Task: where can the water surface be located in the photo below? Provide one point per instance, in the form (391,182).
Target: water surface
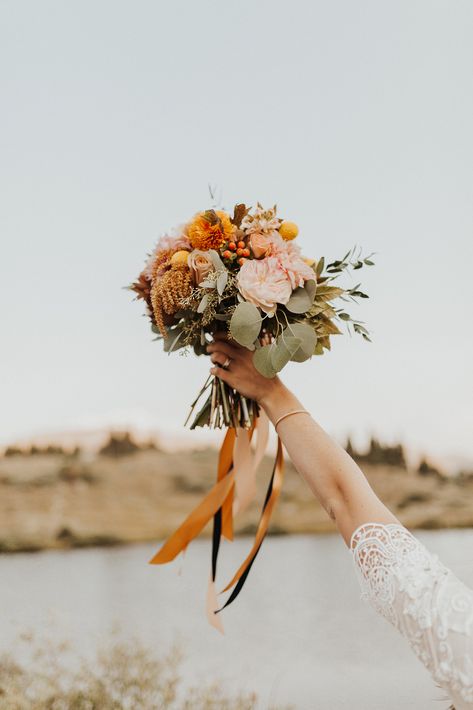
(298,633)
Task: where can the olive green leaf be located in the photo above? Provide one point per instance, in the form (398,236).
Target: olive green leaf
(311,287)
(308,337)
(283,350)
(325,326)
(328,293)
(262,360)
(245,324)
(302,298)
(171,340)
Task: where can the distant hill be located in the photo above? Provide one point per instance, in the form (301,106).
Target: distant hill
(133,492)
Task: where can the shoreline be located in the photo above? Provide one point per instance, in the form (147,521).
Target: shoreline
(55,502)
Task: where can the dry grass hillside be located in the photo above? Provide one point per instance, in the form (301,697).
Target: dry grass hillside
(50,500)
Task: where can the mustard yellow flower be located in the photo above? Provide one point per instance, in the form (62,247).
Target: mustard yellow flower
(180,257)
(288,231)
(210,230)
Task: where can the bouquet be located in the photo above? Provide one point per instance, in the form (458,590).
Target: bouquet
(242,273)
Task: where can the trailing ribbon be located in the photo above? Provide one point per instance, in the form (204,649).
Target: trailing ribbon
(234,490)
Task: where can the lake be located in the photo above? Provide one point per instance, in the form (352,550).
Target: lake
(298,633)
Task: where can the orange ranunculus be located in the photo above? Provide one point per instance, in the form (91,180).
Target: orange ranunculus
(210,230)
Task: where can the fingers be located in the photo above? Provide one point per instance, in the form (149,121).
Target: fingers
(223,347)
(225,337)
(220,359)
(221,374)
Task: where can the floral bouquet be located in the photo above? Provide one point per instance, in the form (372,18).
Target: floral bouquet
(244,274)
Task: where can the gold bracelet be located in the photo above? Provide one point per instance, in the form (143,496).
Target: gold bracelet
(289,414)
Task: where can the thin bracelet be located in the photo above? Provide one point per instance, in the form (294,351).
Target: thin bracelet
(289,414)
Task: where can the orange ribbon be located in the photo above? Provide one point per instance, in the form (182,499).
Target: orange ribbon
(232,493)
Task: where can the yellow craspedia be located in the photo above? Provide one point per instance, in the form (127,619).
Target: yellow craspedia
(288,230)
(179,257)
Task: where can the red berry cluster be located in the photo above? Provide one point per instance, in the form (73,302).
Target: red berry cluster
(236,250)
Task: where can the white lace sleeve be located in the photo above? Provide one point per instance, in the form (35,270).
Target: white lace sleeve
(423,599)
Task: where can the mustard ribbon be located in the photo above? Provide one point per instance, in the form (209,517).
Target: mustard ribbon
(232,493)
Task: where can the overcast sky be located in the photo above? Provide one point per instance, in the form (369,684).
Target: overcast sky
(356,118)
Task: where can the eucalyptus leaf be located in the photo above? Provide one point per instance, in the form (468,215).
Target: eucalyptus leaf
(311,287)
(262,360)
(300,301)
(171,341)
(308,337)
(283,350)
(320,266)
(245,324)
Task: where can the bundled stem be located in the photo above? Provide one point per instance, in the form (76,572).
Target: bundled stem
(223,406)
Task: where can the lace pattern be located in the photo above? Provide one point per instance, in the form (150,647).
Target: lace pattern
(423,599)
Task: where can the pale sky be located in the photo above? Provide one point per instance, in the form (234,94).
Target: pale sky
(355,117)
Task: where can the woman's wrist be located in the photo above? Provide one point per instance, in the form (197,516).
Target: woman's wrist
(278,399)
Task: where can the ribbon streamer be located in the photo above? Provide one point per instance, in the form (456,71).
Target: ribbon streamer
(233,492)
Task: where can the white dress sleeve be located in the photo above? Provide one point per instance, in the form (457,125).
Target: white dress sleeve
(423,599)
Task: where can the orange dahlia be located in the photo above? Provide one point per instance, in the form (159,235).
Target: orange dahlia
(210,230)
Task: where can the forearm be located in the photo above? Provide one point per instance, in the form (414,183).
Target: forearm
(330,472)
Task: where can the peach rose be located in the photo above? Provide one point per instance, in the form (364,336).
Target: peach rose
(291,261)
(173,241)
(264,283)
(260,244)
(200,265)
(298,272)
(168,242)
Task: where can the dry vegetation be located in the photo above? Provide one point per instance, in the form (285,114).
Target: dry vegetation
(128,493)
(123,676)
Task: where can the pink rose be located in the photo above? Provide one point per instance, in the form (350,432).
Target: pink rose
(264,283)
(290,260)
(260,244)
(200,265)
(298,272)
(175,241)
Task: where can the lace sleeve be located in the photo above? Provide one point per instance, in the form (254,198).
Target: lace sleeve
(423,599)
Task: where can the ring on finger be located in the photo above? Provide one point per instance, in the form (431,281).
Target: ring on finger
(226,363)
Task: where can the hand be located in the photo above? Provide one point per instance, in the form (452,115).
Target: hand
(240,373)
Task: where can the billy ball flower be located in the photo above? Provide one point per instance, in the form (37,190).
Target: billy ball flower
(180,257)
(288,231)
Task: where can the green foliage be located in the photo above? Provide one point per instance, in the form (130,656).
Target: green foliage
(307,338)
(263,361)
(302,298)
(245,324)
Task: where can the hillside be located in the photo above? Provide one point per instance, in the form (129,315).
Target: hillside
(53,500)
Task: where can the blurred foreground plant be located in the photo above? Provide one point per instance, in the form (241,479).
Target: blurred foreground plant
(124,675)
